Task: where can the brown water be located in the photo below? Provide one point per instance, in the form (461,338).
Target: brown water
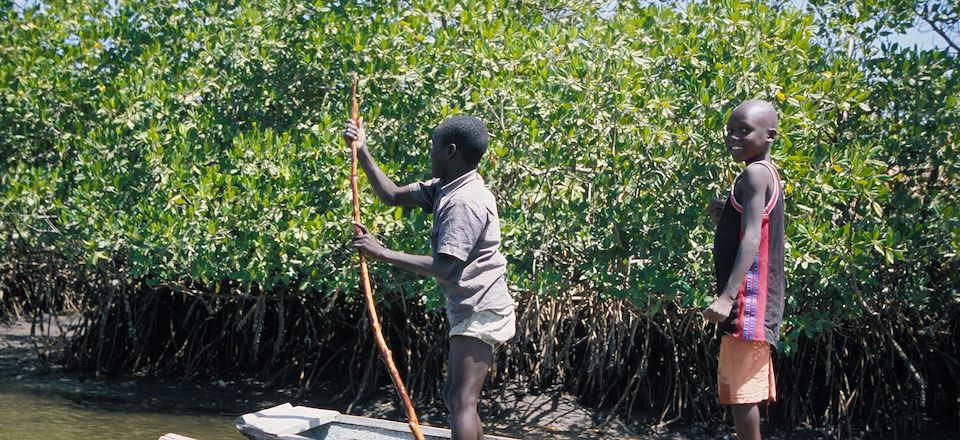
(26,414)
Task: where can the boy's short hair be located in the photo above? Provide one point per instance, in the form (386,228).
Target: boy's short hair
(467,132)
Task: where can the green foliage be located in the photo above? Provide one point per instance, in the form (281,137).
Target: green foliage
(199,144)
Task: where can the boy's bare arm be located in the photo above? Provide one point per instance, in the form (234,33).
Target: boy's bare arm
(383,186)
(439,266)
(754,185)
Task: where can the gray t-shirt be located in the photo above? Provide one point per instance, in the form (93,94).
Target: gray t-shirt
(466,226)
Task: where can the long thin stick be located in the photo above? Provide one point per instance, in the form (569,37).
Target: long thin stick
(385,352)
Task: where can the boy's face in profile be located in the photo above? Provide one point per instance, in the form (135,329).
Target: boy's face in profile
(749,132)
(438,159)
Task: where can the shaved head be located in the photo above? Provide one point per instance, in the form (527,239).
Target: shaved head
(761,112)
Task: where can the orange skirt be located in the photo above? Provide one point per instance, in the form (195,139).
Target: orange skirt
(745,372)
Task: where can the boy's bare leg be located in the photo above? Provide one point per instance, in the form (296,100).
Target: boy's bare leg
(746,417)
(470,360)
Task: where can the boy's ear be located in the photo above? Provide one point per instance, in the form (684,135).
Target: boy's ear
(451,150)
(771,134)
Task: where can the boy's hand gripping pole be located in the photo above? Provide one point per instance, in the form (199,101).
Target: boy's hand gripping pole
(365,279)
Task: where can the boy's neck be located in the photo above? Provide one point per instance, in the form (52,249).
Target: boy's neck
(456,174)
(760,157)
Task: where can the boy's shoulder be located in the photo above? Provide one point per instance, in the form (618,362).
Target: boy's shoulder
(476,198)
(475,194)
(757,175)
(759,170)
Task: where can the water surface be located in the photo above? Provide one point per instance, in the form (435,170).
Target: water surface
(28,414)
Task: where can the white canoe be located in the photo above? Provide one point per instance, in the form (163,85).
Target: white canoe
(288,422)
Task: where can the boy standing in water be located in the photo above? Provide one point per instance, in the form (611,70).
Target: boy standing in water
(464,257)
(748,261)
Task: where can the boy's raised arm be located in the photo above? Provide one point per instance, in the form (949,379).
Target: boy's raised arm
(754,188)
(383,186)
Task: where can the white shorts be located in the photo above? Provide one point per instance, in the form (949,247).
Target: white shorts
(487,326)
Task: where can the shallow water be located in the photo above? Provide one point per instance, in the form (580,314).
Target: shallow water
(25,414)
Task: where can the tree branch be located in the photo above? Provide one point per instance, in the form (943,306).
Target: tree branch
(933,25)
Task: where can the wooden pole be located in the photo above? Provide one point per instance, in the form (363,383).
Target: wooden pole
(385,352)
